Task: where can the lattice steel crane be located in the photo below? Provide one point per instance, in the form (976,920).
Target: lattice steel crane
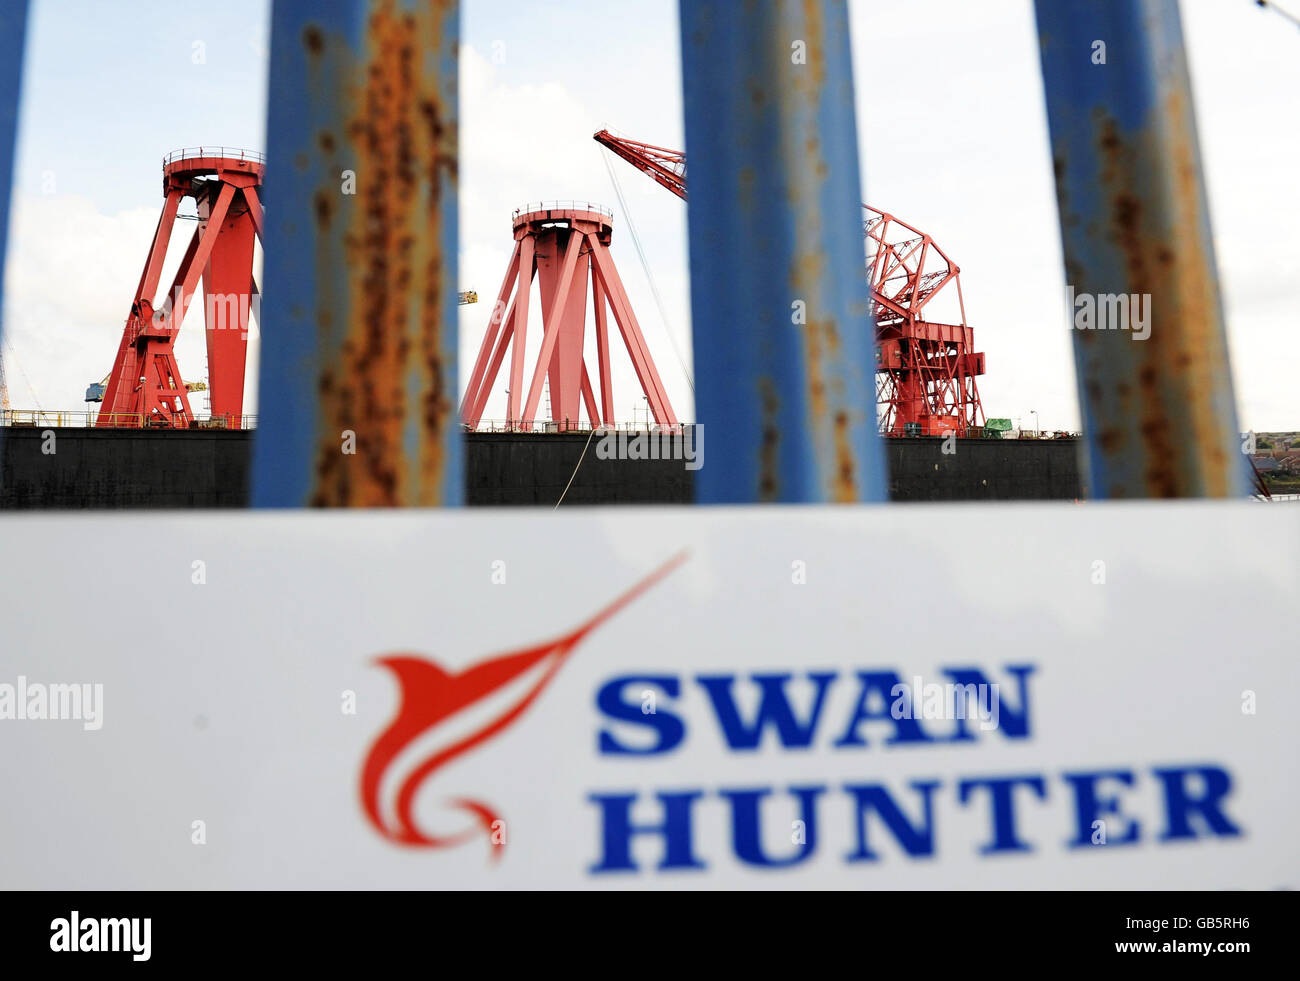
(925,370)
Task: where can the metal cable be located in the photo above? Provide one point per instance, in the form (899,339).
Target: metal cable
(654,290)
(575,469)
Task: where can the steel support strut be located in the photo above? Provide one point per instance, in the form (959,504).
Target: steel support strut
(358,376)
(1157,399)
(783,335)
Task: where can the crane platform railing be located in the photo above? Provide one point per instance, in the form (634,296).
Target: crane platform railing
(562,206)
(230,152)
(583,426)
(89,419)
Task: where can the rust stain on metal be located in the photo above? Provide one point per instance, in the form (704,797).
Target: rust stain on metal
(815,371)
(827,420)
(313,40)
(845,487)
(815,28)
(1203,358)
(768,484)
(323,204)
(397,133)
(1171,409)
(747,190)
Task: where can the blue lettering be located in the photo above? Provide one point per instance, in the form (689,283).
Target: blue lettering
(670,729)
(907,730)
(916,839)
(1088,807)
(1012,723)
(618,829)
(1004,812)
(746,836)
(1179,803)
(773,707)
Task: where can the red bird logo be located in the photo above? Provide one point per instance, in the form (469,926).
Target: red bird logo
(472,706)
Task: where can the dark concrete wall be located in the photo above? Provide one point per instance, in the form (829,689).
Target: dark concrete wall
(124,468)
(983,470)
(102,468)
(505,468)
(510,469)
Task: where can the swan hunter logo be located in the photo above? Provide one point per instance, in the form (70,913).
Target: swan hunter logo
(442,716)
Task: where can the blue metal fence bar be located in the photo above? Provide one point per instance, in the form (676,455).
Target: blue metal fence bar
(784,346)
(13,33)
(358,371)
(1155,385)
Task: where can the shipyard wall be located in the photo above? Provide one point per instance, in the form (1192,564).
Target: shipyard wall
(123,468)
(104,468)
(984,469)
(511,469)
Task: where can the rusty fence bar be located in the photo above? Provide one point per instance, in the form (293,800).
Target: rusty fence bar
(1150,347)
(358,372)
(13,32)
(782,330)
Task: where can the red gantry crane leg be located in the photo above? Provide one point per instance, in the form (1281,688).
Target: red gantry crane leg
(925,370)
(145,387)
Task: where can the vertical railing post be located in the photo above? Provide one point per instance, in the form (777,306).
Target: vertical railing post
(359,327)
(13,33)
(784,343)
(1150,348)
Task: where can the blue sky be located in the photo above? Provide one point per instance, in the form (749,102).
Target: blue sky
(959,152)
(108,88)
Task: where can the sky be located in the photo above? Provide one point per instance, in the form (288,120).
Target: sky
(952,138)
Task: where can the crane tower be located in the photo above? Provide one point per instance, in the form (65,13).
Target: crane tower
(144,386)
(563,244)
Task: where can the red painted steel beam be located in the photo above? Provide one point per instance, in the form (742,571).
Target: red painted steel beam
(228,290)
(589,398)
(552,326)
(632,337)
(598,304)
(494,327)
(564,368)
(527,265)
(480,401)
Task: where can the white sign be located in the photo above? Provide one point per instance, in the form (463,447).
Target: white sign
(1065,697)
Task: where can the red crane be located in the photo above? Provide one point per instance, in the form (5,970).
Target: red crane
(925,369)
(144,387)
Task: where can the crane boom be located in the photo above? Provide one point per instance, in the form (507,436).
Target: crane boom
(668,167)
